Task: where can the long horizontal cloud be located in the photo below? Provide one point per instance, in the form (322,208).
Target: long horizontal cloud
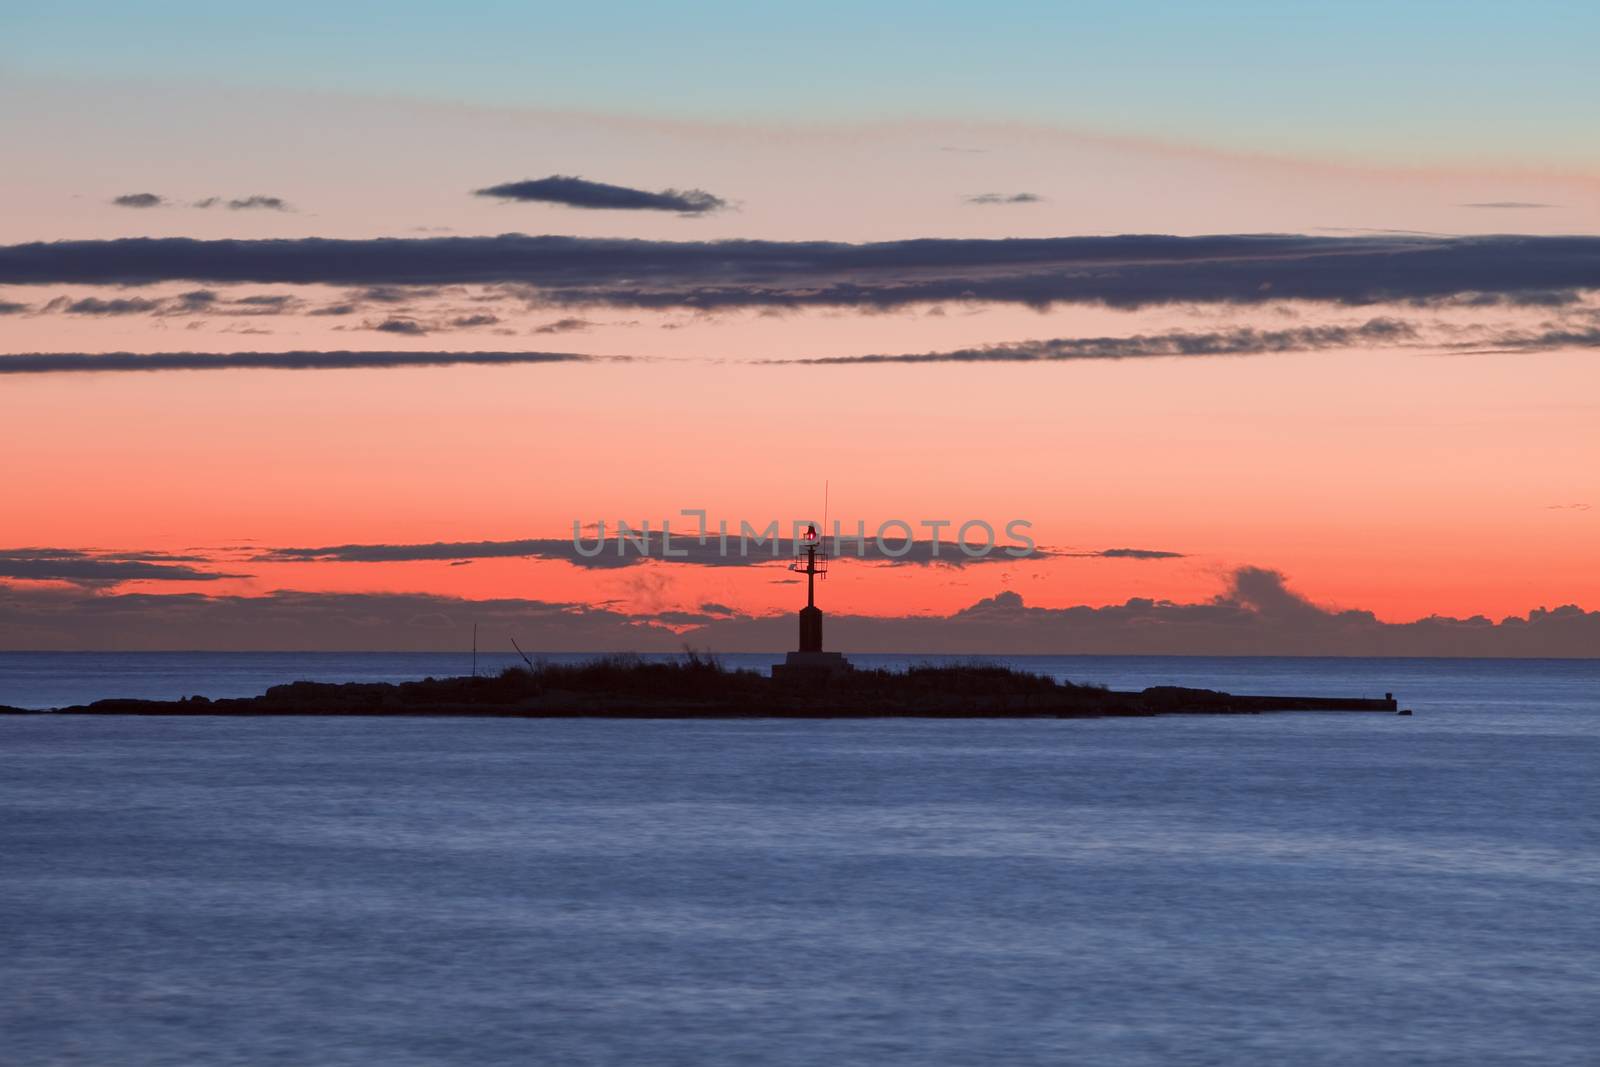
(93,305)
(596,554)
(1373,333)
(1534,340)
(1004,198)
(45,618)
(576,192)
(66,362)
(1241,341)
(1256,614)
(205,302)
(1129,553)
(611,553)
(1126,272)
(242,203)
(101,568)
(250,203)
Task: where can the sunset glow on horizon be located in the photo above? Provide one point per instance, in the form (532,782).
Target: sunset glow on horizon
(1362,365)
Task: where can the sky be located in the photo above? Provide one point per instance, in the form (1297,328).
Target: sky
(1276,324)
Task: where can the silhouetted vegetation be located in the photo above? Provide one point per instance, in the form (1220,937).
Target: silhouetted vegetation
(699,685)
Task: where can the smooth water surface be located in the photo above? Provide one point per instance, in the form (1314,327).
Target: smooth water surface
(1279,889)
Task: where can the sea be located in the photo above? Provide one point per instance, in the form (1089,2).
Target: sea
(1292,889)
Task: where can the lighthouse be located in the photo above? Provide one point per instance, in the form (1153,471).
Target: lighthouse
(809,661)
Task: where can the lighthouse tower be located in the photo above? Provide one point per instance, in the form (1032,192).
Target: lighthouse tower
(809,662)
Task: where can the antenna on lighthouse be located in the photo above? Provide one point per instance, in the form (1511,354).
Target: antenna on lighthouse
(824,508)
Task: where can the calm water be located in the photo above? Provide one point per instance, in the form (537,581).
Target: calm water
(1294,889)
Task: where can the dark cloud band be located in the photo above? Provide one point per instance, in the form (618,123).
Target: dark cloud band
(1242,341)
(1125,272)
(609,553)
(1257,614)
(101,568)
(60,362)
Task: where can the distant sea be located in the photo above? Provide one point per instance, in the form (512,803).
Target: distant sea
(1308,889)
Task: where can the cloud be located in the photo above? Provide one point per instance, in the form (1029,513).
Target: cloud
(1542,340)
(100,568)
(1255,614)
(682,618)
(407,327)
(138,200)
(243,203)
(467,322)
(1123,272)
(614,553)
(1135,553)
(576,192)
(63,618)
(391,294)
(9,308)
(193,302)
(1509,205)
(93,305)
(198,299)
(247,203)
(1240,341)
(1530,298)
(65,362)
(258,203)
(1004,198)
(565,326)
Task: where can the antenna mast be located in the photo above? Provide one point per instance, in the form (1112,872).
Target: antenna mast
(824,509)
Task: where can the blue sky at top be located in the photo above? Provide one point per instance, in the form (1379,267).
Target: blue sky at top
(1510,83)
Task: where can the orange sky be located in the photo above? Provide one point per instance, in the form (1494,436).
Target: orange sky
(1406,484)
(1394,479)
